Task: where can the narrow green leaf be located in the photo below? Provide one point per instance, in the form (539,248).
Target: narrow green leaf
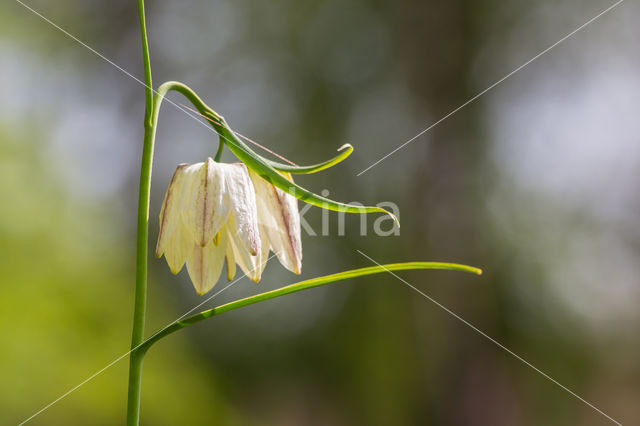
(345,149)
(304,285)
(268,173)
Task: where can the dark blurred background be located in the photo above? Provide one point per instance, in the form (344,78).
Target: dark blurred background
(536,182)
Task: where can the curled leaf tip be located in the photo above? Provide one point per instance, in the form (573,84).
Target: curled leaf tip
(393,216)
(395,219)
(345,151)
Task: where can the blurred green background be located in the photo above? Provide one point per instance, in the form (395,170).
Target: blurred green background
(536,182)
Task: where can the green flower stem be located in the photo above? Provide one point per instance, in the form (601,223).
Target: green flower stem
(268,173)
(220,149)
(303,285)
(137,355)
(254,161)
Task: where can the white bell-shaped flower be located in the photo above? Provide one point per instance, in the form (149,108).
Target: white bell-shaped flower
(209,214)
(214,212)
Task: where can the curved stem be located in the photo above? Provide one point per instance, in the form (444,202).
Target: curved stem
(303,285)
(255,161)
(268,173)
(220,149)
(137,355)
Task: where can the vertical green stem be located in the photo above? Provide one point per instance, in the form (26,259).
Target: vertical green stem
(137,355)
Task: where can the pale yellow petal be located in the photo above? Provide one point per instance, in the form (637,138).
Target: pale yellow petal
(290,239)
(250,265)
(212,206)
(278,213)
(242,200)
(194,178)
(170,220)
(204,265)
(264,247)
(179,248)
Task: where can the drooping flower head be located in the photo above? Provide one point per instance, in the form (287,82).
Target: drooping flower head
(215,212)
(238,212)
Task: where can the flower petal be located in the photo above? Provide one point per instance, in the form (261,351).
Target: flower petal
(264,247)
(278,213)
(168,211)
(188,197)
(206,205)
(204,264)
(250,265)
(171,228)
(178,250)
(242,200)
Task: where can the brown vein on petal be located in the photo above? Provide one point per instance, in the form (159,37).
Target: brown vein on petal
(287,224)
(204,203)
(200,253)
